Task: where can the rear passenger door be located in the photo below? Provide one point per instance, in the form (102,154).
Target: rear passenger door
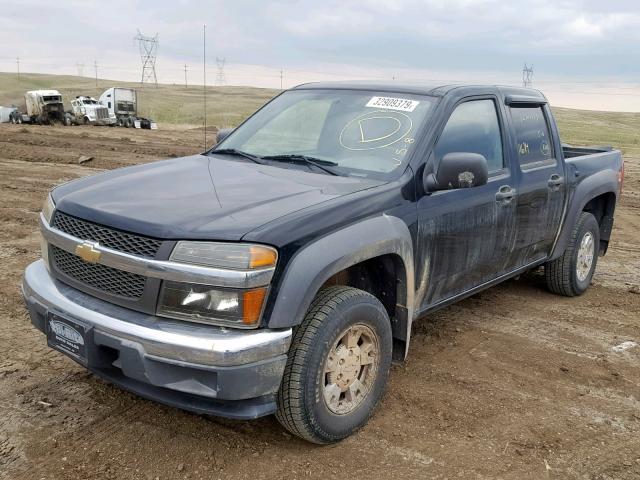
(541,188)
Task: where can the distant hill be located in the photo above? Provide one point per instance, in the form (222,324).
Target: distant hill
(228,106)
(175,104)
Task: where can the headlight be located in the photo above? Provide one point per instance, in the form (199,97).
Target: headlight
(236,256)
(212,305)
(48,208)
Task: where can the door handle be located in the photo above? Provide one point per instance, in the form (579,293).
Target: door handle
(505,194)
(555,182)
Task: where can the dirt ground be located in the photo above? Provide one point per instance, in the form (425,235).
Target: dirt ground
(511,383)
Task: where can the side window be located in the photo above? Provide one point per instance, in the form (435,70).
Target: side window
(532,134)
(109,104)
(473,127)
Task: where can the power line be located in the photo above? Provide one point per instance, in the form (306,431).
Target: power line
(148,47)
(186,85)
(527,76)
(221,79)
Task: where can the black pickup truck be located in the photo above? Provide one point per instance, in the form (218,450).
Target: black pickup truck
(280,272)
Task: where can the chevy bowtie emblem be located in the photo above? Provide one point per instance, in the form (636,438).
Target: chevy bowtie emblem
(87,251)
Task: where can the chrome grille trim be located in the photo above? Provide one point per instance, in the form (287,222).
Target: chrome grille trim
(162,269)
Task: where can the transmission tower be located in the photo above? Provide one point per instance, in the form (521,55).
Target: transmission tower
(221,79)
(527,76)
(148,50)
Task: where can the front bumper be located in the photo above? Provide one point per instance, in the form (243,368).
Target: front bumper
(196,367)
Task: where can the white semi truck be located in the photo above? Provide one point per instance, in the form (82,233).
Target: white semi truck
(123,104)
(88,111)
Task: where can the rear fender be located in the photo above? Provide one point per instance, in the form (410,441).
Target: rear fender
(604,181)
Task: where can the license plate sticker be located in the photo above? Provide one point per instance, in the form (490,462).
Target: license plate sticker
(68,337)
(390,103)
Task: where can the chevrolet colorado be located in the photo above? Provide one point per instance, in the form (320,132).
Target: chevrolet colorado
(280,271)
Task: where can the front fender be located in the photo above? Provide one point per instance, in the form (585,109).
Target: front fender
(314,264)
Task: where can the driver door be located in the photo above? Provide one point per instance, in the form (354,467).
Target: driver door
(466,235)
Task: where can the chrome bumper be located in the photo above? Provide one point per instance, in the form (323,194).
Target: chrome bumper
(152,355)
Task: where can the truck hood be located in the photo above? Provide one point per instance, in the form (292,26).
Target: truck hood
(199,197)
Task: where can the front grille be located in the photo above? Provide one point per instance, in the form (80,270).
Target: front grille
(101,277)
(107,237)
(102,113)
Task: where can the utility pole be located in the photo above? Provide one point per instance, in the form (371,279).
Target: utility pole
(80,69)
(18,63)
(281,73)
(95,67)
(186,85)
(527,76)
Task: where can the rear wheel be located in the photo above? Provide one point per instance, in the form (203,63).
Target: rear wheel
(571,274)
(337,367)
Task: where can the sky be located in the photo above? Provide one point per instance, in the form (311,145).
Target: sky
(585,53)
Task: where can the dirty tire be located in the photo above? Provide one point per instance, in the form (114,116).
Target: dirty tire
(562,275)
(302,408)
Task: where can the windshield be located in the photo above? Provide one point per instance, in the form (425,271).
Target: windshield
(52,98)
(363,133)
(89,102)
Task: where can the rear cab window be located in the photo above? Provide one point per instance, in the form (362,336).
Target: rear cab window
(533,137)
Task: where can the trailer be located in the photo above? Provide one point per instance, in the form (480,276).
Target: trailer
(6,114)
(123,104)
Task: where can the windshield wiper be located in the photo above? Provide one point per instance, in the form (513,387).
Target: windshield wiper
(239,153)
(323,165)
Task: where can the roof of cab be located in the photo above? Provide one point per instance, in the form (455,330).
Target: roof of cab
(420,88)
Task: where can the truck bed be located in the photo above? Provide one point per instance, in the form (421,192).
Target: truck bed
(571,151)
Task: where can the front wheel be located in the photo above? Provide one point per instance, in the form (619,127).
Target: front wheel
(571,274)
(337,367)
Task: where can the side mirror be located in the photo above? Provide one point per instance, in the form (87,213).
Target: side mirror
(222,134)
(458,170)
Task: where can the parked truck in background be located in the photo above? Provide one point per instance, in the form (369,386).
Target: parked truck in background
(123,104)
(88,111)
(281,271)
(44,107)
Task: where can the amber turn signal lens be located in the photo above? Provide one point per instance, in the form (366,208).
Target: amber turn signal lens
(262,257)
(252,301)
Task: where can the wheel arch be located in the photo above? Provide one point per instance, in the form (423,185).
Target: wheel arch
(596,191)
(375,255)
